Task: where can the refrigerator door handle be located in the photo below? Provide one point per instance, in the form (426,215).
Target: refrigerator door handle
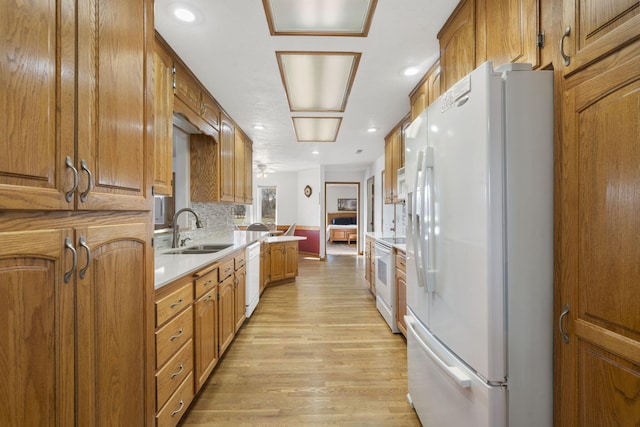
(453,372)
(429,209)
(416,224)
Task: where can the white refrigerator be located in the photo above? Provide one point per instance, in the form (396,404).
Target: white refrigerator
(479,170)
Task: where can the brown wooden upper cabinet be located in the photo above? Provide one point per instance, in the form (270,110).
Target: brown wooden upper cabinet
(193,101)
(508,30)
(53,159)
(162,121)
(227,161)
(393,160)
(427,91)
(458,44)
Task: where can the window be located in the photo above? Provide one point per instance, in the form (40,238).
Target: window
(266,205)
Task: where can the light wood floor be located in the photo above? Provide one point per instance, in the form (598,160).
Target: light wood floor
(315,353)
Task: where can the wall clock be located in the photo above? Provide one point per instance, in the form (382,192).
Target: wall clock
(307,191)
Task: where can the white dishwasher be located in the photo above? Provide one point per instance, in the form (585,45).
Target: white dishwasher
(253,278)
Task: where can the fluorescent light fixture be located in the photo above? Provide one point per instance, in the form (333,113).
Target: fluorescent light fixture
(319,17)
(410,71)
(318,81)
(316,129)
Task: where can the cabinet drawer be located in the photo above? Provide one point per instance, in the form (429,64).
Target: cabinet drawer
(173,303)
(226,269)
(177,404)
(173,335)
(239,260)
(206,282)
(173,373)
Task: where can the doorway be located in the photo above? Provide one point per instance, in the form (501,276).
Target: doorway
(342,211)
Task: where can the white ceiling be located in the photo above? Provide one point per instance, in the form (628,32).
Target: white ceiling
(232,53)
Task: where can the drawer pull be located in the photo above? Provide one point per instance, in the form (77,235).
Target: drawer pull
(175,337)
(179,409)
(177,303)
(207,283)
(178,372)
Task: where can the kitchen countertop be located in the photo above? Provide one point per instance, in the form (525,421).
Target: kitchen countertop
(169,267)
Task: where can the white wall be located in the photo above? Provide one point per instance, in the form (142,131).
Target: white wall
(309,207)
(340,191)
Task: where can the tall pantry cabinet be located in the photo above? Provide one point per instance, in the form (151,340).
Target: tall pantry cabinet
(76,264)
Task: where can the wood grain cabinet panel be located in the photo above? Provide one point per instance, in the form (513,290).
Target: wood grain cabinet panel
(509,29)
(401,291)
(458,44)
(226,313)
(206,336)
(598,364)
(393,160)
(227,162)
(37,314)
(37,100)
(239,168)
(114,138)
(240,282)
(598,28)
(177,405)
(203,155)
(162,121)
(174,372)
(113,299)
(248,171)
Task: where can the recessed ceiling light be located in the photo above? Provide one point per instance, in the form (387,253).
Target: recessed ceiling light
(258,126)
(315,152)
(372,130)
(410,71)
(184,14)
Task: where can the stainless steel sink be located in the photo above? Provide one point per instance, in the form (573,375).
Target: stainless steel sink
(200,249)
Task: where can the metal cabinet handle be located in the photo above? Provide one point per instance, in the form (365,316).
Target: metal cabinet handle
(207,299)
(178,335)
(84,167)
(83,243)
(178,372)
(179,409)
(565,57)
(69,194)
(565,311)
(69,245)
(207,283)
(177,303)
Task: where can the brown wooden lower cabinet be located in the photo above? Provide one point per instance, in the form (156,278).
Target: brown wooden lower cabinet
(401,290)
(370,261)
(77,313)
(197,317)
(283,262)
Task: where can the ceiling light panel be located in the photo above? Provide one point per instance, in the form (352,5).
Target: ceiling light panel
(319,17)
(318,81)
(316,129)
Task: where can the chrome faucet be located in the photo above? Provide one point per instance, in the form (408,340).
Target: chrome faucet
(176,234)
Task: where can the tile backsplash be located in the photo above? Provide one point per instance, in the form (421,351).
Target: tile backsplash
(217,219)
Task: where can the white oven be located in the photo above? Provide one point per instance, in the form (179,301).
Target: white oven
(386,283)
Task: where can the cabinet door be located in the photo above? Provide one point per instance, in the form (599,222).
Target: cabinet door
(37,314)
(265,265)
(115,325)
(240,297)
(248,171)
(239,167)
(291,260)
(227,150)
(226,315)
(206,336)
(277,261)
(510,28)
(187,89)
(162,122)
(598,27)
(401,300)
(203,154)
(210,111)
(114,120)
(37,104)
(457,44)
(598,361)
